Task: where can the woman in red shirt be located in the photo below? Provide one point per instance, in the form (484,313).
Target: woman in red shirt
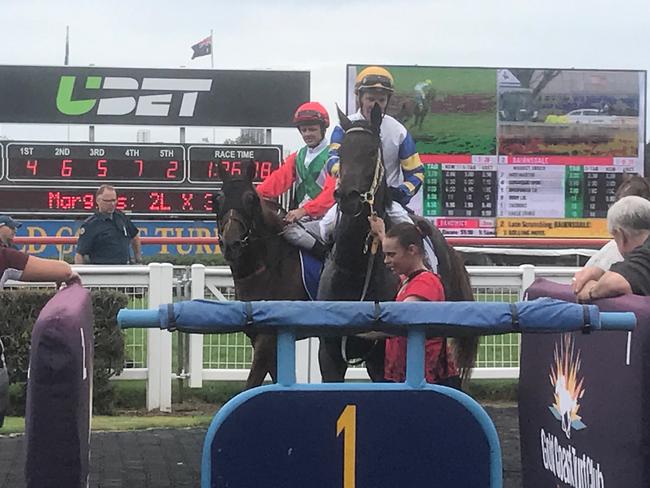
(404,254)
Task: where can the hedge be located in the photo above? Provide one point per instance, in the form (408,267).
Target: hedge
(20,311)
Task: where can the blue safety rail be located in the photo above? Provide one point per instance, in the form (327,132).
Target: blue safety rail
(283,426)
(439,318)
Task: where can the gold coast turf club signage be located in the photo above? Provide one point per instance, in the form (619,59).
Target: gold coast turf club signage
(90,95)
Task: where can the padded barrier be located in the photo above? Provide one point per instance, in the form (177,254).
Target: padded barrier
(59,392)
(598,436)
(4,387)
(317,318)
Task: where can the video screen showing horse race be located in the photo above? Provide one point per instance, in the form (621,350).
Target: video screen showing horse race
(498,144)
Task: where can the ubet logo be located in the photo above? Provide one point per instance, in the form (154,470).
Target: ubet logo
(144,105)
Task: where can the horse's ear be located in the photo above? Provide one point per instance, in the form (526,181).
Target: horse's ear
(375,117)
(249,168)
(343,119)
(222,172)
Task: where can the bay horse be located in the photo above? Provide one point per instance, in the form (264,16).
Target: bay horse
(264,265)
(353,272)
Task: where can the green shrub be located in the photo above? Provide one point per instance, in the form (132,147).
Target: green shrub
(21,309)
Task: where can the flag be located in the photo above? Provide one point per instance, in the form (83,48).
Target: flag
(202,48)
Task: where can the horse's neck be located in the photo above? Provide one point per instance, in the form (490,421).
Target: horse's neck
(351,245)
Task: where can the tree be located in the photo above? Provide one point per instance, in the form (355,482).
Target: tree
(535,79)
(244,138)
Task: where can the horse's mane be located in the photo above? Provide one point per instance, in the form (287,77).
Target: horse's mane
(457,286)
(272,215)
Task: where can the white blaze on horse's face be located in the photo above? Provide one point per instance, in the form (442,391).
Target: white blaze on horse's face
(368,100)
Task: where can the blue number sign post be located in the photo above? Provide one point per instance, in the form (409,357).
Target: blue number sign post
(360,435)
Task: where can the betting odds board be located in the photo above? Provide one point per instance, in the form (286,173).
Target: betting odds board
(512,152)
(152,180)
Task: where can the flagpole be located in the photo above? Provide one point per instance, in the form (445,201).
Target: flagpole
(214,138)
(211,50)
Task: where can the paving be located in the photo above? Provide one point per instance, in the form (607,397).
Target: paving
(171,458)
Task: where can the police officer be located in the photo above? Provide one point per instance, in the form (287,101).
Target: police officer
(8,228)
(105,237)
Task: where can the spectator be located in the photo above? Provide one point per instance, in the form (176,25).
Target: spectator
(105,237)
(628,220)
(8,228)
(600,262)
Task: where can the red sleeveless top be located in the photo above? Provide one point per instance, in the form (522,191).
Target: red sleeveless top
(438,362)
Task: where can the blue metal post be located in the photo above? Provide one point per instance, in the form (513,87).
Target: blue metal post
(286,357)
(415,356)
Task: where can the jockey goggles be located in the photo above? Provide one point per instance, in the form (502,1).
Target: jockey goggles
(376,81)
(309,116)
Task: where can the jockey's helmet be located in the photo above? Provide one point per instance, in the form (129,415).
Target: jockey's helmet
(311,113)
(374,77)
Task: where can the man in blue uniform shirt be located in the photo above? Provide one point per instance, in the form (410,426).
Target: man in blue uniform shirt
(105,237)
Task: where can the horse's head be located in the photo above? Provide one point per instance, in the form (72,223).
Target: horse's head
(361,174)
(238,210)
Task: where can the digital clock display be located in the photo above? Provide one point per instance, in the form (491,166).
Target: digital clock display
(204,161)
(81,201)
(174,180)
(100,163)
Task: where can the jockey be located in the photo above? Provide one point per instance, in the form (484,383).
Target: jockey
(306,168)
(404,170)
(421,90)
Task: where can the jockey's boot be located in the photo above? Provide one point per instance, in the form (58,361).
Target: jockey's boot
(319,251)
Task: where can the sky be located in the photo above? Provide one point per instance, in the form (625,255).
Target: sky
(321,37)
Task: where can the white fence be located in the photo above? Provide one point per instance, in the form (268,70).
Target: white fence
(227,356)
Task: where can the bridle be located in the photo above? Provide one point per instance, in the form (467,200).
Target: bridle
(233,216)
(369,196)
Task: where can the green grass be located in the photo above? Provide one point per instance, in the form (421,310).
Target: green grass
(200,405)
(453,133)
(450,81)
